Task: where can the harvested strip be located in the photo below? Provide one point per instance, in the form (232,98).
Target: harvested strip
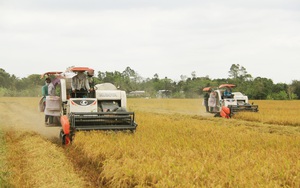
(39,163)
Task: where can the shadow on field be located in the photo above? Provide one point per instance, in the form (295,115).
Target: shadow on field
(90,170)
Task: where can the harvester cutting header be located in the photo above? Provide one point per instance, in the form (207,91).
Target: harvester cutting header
(224,102)
(85,106)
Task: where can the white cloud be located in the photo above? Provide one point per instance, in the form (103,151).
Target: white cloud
(168,38)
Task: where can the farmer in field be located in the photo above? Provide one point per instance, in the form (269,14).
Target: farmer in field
(45,93)
(228,93)
(52,87)
(80,84)
(90,74)
(206,97)
(52,92)
(212,101)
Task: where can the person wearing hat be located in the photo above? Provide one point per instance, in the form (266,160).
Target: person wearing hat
(52,87)
(227,93)
(80,84)
(45,93)
(90,74)
(206,96)
(52,92)
(212,101)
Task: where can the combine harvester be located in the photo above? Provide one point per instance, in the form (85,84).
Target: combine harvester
(228,103)
(103,107)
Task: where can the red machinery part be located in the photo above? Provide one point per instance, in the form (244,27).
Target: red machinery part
(64,120)
(67,139)
(225,112)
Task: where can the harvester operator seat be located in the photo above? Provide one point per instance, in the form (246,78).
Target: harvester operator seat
(80,85)
(227,93)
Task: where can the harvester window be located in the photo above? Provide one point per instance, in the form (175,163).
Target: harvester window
(80,85)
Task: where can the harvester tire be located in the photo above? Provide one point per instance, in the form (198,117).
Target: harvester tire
(65,138)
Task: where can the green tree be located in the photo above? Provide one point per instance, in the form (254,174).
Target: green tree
(295,87)
(4,79)
(238,73)
(260,88)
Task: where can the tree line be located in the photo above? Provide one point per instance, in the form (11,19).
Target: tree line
(188,87)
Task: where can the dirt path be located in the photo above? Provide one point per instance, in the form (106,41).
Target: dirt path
(22,114)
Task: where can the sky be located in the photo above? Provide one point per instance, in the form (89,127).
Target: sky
(170,38)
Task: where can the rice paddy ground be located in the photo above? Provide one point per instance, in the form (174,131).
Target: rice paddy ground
(176,144)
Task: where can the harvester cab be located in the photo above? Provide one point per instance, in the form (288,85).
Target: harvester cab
(99,107)
(228,103)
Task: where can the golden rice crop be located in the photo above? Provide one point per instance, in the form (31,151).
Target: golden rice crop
(174,146)
(35,162)
(189,151)
(274,112)
(184,106)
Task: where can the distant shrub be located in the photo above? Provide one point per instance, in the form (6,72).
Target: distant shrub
(282,95)
(32,92)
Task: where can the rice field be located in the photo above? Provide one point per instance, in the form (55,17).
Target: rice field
(176,145)
(275,112)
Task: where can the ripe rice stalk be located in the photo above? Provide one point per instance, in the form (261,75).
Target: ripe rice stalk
(179,150)
(174,146)
(274,112)
(35,162)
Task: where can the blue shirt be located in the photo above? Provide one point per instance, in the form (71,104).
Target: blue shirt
(227,93)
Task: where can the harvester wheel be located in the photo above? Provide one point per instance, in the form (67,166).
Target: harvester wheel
(65,138)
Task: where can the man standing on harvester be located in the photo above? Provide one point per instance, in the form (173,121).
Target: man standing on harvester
(80,84)
(45,94)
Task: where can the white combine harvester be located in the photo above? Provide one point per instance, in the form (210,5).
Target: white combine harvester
(101,108)
(227,105)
